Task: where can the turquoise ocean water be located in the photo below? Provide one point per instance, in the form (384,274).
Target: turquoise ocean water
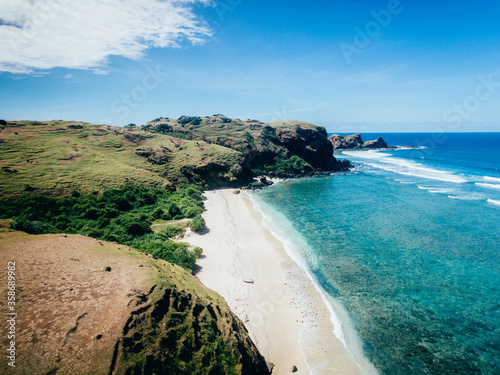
(408,243)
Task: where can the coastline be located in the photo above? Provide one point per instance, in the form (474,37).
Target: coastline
(284,311)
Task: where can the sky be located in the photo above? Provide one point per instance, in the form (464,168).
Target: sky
(348,65)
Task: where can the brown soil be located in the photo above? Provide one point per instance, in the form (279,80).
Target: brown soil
(70,313)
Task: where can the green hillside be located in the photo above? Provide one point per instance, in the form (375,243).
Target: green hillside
(58,158)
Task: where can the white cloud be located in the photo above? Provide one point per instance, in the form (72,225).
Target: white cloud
(68,76)
(43,34)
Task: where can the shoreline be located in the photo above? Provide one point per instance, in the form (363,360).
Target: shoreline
(284,311)
(343,328)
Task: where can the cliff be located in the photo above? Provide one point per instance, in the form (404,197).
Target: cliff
(309,142)
(259,143)
(95,307)
(354,141)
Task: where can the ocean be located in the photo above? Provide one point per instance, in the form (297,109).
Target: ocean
(408,244)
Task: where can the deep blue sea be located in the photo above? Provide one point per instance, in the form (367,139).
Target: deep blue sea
(409,244)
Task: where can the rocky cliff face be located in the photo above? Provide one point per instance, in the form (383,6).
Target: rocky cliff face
(377,143)
(309,142)
(354,141)
(340,142)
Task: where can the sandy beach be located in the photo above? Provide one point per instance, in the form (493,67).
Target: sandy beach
(286,316)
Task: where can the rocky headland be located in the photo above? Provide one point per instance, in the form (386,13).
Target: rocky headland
(355,141)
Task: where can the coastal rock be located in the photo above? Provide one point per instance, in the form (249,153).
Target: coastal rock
(340,142)
(309,142)
(377,143)
(355,142)
(259,184)
(294,369)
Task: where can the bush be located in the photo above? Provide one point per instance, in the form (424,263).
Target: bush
(173,212)
(184,120)
(191,211)
(163,128)
(283,164)
(197,224)
(173,230)
(31,227)
(196,121)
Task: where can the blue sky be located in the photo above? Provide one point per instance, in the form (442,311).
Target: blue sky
(351,66)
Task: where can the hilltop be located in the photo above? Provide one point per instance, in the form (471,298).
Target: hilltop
(94,307)
(58,158)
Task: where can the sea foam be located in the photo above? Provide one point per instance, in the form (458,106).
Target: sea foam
(494,202)
(488,186)
(491,179)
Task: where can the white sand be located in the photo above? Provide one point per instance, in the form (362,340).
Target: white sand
(282,306)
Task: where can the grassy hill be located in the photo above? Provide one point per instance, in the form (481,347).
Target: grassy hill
(258,142)
(57,158)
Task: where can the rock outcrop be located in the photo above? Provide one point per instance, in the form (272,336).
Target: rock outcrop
(309,142)
(354,142)
(340,142)
(377,143)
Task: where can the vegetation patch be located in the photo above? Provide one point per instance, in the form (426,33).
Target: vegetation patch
(121,215)
(284,165)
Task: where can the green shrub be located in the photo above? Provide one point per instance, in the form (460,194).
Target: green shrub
(196,121)
(121,215)
(173,212)
(173,230)
(191,211)
(283,164)
(31,227)
(197,224)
